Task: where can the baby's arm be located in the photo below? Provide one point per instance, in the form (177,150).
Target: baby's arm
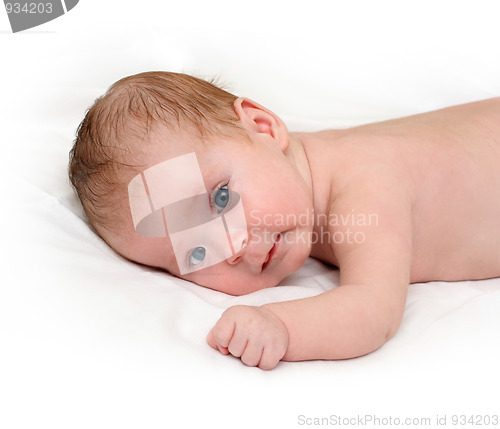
(351,320)
(356,318)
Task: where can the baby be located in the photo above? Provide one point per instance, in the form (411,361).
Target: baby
(176,173)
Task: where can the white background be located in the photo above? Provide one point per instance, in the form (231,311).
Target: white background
(317,62)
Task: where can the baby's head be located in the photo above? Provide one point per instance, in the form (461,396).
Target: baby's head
(161,156)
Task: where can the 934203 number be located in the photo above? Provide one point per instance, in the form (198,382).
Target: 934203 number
(474,420)
(32,8)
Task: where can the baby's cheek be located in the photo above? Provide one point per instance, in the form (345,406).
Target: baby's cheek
(226,283)
(299,251)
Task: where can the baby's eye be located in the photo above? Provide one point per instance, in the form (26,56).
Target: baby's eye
(197,255)
(221,199)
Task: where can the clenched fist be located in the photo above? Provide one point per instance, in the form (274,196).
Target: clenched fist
(254,334)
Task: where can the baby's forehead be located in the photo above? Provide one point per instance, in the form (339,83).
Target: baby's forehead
(173,147)
(174,139)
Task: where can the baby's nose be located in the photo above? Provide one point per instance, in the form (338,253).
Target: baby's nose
(239,250)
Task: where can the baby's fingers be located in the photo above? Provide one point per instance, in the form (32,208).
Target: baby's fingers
(252,354)
(212,343)
(272,354)
(220,336)
(269,359)
(211,339)
(223,350)
(239,341)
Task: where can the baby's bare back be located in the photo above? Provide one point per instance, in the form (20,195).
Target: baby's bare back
(447,163)
(457,201)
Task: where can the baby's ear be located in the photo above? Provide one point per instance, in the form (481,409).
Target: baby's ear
(256,119)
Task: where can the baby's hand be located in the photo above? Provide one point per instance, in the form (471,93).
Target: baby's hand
(254,334)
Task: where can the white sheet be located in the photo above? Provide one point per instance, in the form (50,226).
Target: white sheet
(89,339)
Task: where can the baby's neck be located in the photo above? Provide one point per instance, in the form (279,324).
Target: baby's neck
(297,156)
(318,159)
(313,154)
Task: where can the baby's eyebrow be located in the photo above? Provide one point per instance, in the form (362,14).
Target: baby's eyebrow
(210,174)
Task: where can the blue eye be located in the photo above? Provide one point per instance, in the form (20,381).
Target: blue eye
(221,198)
(197,255)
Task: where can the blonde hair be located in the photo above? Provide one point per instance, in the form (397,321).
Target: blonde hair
(120,120)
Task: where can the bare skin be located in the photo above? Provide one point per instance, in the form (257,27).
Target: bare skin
(421,199)
(433,181)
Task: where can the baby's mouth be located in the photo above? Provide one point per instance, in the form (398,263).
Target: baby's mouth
(271,253)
